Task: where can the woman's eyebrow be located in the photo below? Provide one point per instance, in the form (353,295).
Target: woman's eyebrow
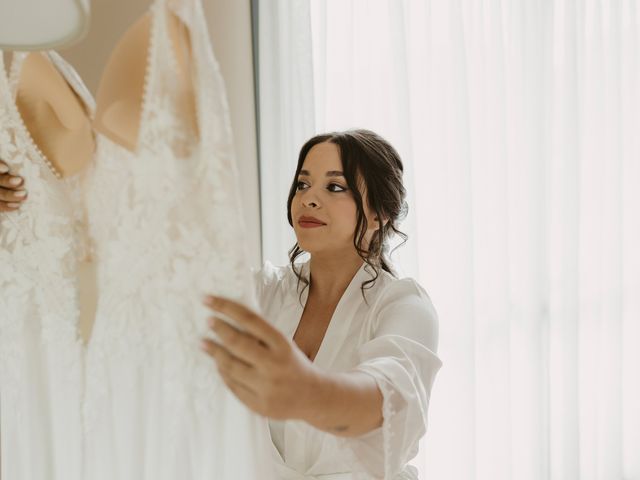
(330,173)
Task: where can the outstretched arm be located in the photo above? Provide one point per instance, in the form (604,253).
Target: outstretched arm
(271,375)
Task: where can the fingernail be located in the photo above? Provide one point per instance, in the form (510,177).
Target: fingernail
(15,181)
(211,300)
(4,169)
(13,205)
(21,193)
(211,322)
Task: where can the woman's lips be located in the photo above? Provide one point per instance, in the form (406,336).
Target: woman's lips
(307,224)
(310,222)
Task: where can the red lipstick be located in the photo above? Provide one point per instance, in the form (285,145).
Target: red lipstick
(310,222)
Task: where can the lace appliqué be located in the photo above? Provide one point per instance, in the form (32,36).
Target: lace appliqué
(39,248)
(166,226)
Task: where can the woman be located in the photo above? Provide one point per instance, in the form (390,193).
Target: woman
(343,355)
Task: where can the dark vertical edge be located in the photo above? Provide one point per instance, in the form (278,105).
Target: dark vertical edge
(255,24)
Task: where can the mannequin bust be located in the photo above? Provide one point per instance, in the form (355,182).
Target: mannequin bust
(121,89)
(54,115)
(42,24)
(57,119)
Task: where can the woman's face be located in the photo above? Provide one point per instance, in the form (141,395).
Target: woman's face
(323,210)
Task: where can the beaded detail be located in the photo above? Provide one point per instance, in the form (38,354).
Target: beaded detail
(14,77)
(41,155)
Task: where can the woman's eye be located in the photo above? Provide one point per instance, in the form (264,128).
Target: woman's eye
(334,187)
(301,186)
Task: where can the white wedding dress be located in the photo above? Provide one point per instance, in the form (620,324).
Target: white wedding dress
(41,355)
(165,222)
(141,401)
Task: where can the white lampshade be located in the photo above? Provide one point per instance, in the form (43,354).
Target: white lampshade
(42,24)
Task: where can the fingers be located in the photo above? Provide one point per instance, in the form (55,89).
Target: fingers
(9,207)
(247,320)
(237,375)
(229,365)
(241,391)
(12,192)
(11,200)
(15,196)
(240,344)
(11,182)
(244,394)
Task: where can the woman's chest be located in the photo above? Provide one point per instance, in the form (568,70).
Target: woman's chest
(329,337)
(312,327)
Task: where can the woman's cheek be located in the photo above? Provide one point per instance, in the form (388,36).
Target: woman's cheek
(295,207)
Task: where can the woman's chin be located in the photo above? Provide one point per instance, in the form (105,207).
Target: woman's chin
(320,244)
(309,240)
(309,247)
(313,246)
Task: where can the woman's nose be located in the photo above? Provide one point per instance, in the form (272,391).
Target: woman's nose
(310,202)
(310,199)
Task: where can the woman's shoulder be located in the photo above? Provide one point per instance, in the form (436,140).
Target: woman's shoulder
(269,274)
(403,306)
(272,282)
(393,290)
(267,271)
(405,290)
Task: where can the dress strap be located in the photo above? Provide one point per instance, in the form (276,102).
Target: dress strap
(10,120)
(74,81)
(10,74)
(4,80)
(159,58)
(161,99)
(184,9)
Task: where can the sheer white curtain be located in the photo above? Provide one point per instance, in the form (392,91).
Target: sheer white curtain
(286,119)
(519,124)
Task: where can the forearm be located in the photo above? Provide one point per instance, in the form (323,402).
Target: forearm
(344,404)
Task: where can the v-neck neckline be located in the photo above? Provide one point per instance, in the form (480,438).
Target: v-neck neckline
(11,73)
(332,332)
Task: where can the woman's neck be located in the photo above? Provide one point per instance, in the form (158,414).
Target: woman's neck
(331,275)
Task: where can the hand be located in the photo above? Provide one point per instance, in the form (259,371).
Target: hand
(265,370)
(12,192)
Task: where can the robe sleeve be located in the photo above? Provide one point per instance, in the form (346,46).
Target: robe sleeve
(401,357)
(266,282)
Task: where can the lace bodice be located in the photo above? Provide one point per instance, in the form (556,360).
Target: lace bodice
(41,357)
(41,244)
(165,219)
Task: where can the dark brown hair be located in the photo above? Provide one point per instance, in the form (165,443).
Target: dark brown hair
(366,158)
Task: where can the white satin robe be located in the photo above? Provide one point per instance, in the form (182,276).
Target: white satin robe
(393,338)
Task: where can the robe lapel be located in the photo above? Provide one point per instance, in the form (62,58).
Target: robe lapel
(341,321)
